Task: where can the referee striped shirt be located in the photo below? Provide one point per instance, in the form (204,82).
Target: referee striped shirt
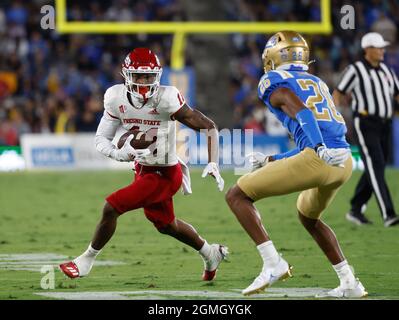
(372,88)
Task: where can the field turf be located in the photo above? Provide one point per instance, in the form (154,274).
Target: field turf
(49,212)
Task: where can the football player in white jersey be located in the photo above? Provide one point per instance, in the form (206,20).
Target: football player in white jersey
(142,103)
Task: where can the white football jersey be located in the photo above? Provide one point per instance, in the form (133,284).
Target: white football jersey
(156,113)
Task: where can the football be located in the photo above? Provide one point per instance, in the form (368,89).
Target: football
(141,139)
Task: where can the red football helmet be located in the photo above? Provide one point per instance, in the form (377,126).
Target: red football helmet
(142,73)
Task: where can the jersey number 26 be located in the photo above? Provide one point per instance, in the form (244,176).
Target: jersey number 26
(327,112)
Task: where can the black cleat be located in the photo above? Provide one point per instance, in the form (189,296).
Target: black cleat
(391,221)
(357,218)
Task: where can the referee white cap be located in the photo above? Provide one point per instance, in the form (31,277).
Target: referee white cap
(373,39)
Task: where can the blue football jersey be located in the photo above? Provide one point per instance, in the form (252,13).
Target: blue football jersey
(316,96)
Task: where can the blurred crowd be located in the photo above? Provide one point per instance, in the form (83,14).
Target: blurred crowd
(331,53)
(125,10)
(55,83)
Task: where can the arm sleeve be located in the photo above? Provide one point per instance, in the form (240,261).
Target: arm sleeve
(105,133)
(287,154)
(309,125)
(348,80)
(107,128)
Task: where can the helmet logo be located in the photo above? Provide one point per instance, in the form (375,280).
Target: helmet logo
(295,39)
(272,42)
(127,61)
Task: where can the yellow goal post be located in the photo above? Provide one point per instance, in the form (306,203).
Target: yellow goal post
(181,29)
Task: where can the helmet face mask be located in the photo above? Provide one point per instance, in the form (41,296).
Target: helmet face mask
(285,47)
(142,73)
(142,85)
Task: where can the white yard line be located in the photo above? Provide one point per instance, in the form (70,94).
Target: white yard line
(170,294)
(34,261)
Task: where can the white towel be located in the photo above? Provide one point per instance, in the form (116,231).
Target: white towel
(186,185)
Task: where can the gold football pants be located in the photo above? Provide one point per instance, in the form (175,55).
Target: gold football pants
(306,172)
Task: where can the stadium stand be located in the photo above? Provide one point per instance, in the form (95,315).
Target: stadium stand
(55,83)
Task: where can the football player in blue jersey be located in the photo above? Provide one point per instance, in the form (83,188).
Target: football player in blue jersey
(319,165)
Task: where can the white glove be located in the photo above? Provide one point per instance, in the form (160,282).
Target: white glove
(128,153)
(257,159)
(186,184)
(213,169)
(333,157)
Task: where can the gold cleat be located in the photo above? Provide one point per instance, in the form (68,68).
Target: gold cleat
(268,276)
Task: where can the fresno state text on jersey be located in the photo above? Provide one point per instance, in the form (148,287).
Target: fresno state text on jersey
(157,112)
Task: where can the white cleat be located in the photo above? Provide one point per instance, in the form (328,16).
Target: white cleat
(268,276)
(218,253)
(356,291)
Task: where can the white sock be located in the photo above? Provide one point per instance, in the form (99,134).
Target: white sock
(205,251)
(345,274)
(268,253)
(91,252)
(86,260)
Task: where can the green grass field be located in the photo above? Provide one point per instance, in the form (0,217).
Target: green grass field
(57,213)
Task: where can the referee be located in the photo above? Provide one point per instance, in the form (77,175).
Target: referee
(373,87)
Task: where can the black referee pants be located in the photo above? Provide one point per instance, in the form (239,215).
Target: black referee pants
(374,136)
